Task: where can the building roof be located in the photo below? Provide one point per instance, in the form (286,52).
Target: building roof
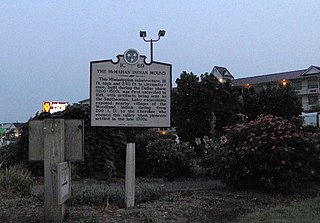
(311,70)
(223,71)
(18,124)
(85,101)
(6,126)
(267,78)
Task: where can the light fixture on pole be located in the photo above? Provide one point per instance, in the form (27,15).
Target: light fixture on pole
(143,34)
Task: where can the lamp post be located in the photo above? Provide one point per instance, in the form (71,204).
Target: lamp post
(143,34)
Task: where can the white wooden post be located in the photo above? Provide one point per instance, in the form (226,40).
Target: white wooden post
(130,175)
(53,154)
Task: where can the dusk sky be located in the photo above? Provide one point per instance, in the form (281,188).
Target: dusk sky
(47,46)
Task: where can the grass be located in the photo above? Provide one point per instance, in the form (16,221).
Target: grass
(142,216)
(15,180)
(306,211)
(114,196)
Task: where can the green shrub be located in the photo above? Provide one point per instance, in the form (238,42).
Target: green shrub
(160,156)
(143,140)
(165,158)
(268,153)
(209,157)
(15,180)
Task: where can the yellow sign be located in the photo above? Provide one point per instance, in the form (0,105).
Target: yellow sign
(46,106)
(54,106)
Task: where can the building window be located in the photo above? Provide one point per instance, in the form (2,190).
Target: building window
(312,100)
(297,85)
(313,83)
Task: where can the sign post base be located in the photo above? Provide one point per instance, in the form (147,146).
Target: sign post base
(130,175)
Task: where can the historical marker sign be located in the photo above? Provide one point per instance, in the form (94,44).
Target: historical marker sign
(130,92)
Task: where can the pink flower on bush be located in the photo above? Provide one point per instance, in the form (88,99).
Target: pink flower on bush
(269,144)
(296,135)
(223,139)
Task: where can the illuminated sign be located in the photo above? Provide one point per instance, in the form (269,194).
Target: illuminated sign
(54,106)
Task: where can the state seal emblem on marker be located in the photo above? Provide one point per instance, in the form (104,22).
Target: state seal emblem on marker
(131,56)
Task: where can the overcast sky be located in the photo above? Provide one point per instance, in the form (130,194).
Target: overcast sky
(47,46)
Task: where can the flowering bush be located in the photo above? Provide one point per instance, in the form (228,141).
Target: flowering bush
(269,153)
(160,156)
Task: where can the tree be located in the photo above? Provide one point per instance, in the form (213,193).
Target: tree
(196,102)
(220,100)
(185,110)
(281,102)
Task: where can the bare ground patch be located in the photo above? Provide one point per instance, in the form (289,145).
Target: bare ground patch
(220,205)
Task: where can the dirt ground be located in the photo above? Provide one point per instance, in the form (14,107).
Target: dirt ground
(220,205)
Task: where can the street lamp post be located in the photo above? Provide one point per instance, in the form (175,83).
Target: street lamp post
(143,34)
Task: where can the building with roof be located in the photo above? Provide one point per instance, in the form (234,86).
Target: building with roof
(305,83)
(9,131)
(222,74)
(85,101)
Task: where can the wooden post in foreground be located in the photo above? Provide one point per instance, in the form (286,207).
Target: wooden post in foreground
(57,142)
(130,175)
(53,154)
